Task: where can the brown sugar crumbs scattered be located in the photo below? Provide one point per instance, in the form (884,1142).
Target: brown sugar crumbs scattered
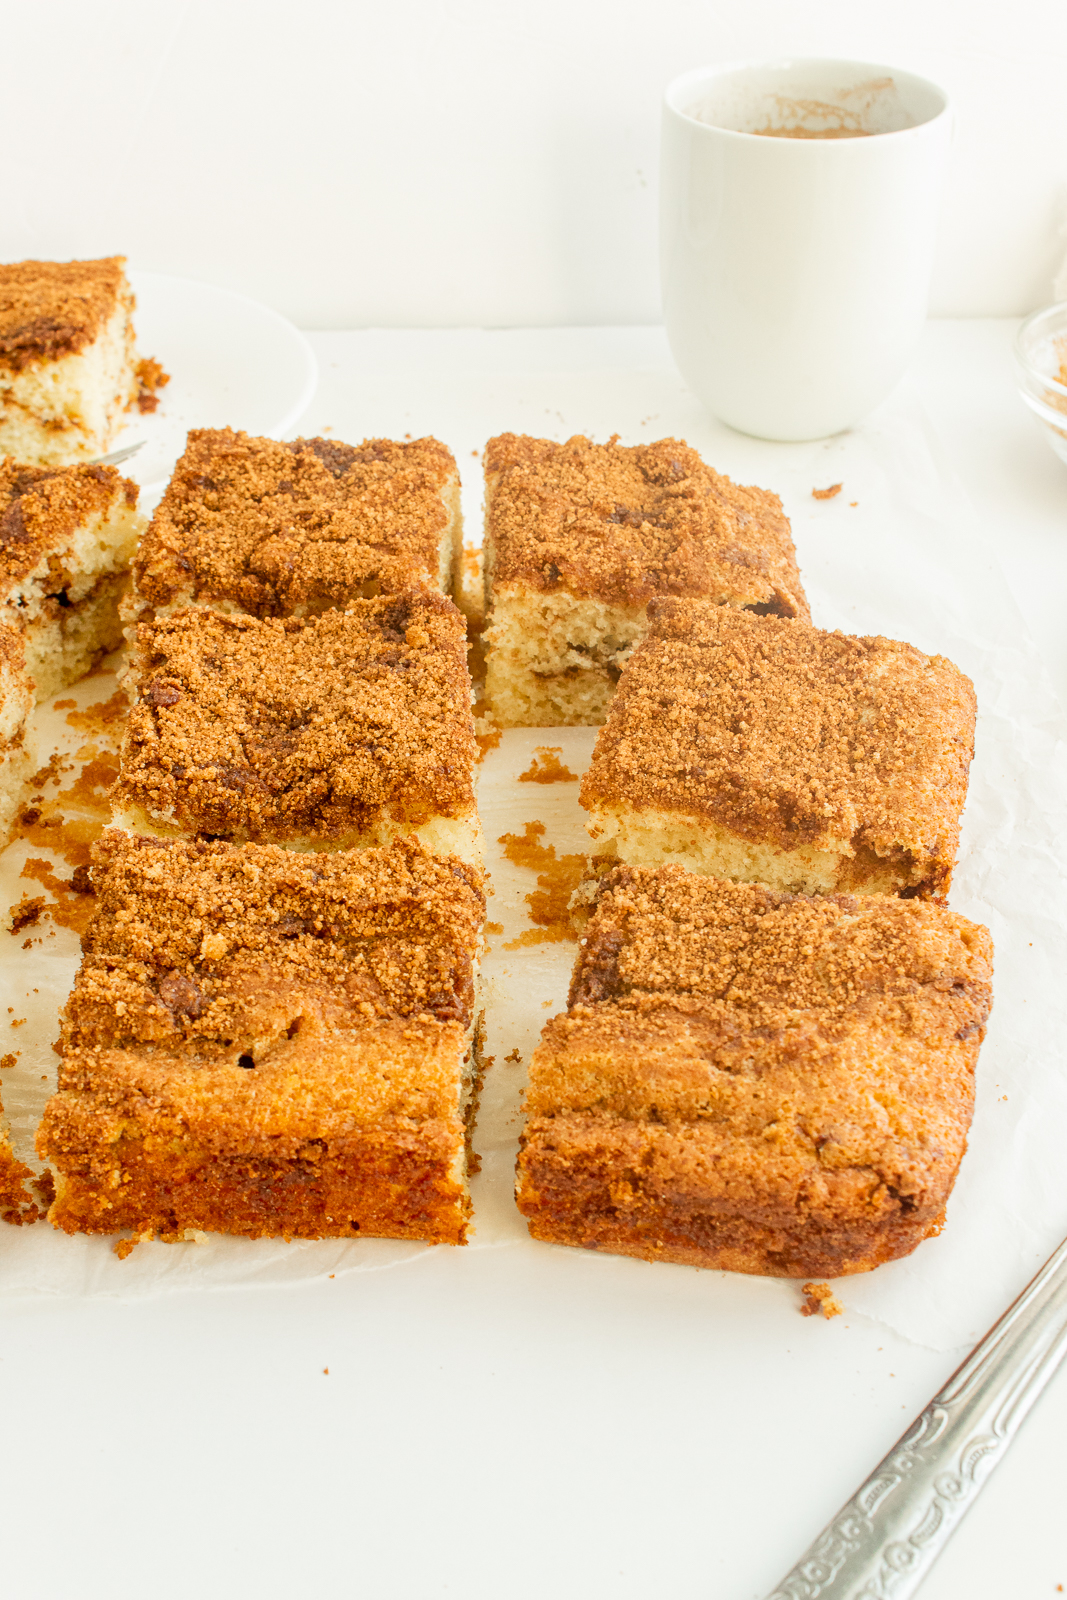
(514,1056)
(150,377)
(101,716)
(819,1297)
(557,879)
(68,821)
(827,494)
(9,1061)
(546,767)
(26,913)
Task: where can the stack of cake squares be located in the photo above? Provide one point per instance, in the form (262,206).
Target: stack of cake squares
(274,1028)
(767,1059)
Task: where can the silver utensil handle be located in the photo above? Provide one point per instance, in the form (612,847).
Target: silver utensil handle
(881,1545)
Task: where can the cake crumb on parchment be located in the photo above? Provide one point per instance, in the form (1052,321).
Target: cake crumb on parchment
(819,1297)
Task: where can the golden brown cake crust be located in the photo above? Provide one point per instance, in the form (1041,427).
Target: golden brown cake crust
(42,507)
(266,1042)
(302,728)
(50,309)
(791,735)
(622,524)
(288,529)
(758,1081)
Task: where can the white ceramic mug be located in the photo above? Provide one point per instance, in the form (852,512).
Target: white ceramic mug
(796,267)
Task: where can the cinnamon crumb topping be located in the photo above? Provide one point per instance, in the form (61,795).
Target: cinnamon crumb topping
(188,934)
(788,734)
(42,507)
(50,309)
(758,959)
(266,729)
(286,529)
(624,523)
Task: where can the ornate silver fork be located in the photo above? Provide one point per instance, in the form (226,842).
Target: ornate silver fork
(881,1545)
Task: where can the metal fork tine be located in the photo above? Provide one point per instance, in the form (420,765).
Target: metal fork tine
(116,456)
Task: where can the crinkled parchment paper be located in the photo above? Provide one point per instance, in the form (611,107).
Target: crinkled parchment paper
(910,559)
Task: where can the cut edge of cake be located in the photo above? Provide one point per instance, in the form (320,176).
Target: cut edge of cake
(66,603)
(553,657)
(459,836)
(17,758)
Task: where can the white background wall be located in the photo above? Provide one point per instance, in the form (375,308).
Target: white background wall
(486,162)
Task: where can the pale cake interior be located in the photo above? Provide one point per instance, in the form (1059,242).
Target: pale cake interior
(655,837)
(442,836)
(58,411)
(66,633)
(569,569)
(16,704)
(554,659)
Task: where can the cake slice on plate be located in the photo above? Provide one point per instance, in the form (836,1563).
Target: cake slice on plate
(579,537)
(286,530)
(69,369)
(771,751)
(266,1043)
(754,1081)
(337,731)
(66,538)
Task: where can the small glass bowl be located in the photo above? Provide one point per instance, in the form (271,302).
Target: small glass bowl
(1041,368)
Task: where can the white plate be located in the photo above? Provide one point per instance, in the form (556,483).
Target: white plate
(233,363)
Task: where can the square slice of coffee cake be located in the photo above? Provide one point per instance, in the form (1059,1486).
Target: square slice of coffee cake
(16,704)
(68,365)
(755,1081)
(771,751)
(579,537)
(67,535)
(338,731)
(289,530)
(266,1043)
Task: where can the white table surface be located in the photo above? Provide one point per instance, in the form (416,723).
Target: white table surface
(493,1424)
